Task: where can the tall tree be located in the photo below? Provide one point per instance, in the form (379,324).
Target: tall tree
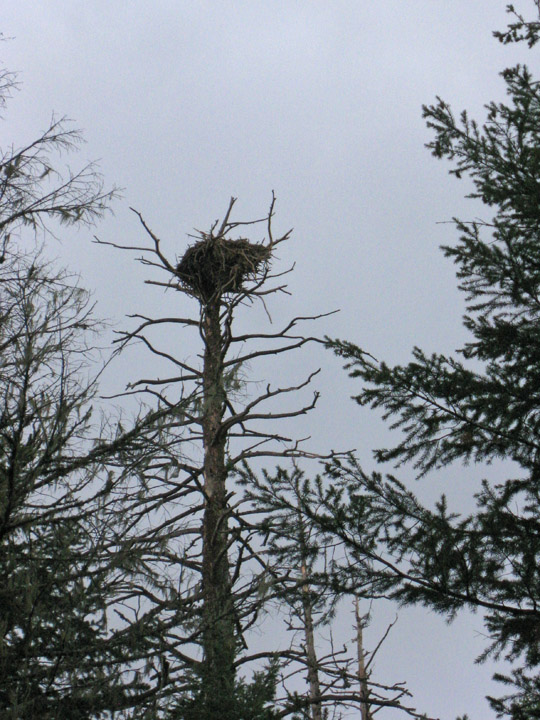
(221,574)
(61,560)
(480,406)
(71,559)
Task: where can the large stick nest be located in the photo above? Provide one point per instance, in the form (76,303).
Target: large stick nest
(216,266)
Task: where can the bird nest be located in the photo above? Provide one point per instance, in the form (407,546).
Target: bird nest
(215,266)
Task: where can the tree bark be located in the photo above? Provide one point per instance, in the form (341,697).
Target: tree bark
(218,620)
(311,654)
(362,675)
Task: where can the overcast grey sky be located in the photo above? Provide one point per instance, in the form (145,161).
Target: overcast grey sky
(187,103)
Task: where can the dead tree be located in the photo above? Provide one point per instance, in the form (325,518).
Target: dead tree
(338,679)
(225,576)
(311,652)
(363,677)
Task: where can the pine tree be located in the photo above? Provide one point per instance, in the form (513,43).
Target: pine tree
(71,558)
(480,406)
(62,556)
(35,193)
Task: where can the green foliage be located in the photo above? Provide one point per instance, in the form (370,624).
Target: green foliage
(34,193)
(85,603)
(291,541)
(79,626)
(52,609)
(521,29)
(480,406)
(522,704)
(251,700)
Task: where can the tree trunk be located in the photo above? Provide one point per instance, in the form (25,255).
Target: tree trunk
(312,664)
(218,620)
(362,676)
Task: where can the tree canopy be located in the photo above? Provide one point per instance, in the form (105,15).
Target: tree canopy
(141,556)
(481,405)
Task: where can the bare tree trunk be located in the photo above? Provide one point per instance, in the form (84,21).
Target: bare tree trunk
(218,620)
(312,664)
(220,274)
(362,676)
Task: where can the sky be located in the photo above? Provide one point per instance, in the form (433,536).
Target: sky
(187,103)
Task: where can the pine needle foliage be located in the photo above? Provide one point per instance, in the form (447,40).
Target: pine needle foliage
(35,193)
(481,405)
(79,631)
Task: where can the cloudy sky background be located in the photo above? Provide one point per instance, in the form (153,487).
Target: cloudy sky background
(187,103)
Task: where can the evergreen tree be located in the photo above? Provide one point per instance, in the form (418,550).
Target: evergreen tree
(35,193)
(61,559)
(480,406)
(75,559)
